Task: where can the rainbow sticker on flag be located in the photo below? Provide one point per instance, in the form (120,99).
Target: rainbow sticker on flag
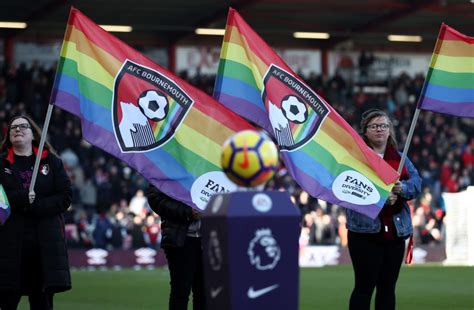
(167,130)
(320,150)
(449,85)
(4,206)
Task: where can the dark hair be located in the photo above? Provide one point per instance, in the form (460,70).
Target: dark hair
(6,143)
(369,115)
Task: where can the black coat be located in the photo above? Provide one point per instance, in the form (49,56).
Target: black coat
(175,217)
(53,197)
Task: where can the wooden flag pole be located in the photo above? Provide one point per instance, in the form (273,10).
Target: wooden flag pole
(44,132)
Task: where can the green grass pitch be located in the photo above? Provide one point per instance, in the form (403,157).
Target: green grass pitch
(328,288)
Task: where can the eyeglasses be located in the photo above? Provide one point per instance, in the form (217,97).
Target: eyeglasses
(21,127)
(377,126)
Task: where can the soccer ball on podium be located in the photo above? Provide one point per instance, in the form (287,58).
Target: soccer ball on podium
(249,158)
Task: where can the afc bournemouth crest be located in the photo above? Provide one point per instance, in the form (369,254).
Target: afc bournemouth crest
(295,111)
(44,169)
(147,107)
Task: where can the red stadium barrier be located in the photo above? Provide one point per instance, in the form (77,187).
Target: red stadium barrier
(311,256)
(100,258)
(318,256)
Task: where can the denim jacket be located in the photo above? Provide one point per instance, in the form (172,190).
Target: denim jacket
(411,188)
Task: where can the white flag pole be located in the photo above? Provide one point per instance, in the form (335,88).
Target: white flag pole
(44,132)
(408,141)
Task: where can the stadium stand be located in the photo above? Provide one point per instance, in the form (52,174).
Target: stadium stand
(109,210)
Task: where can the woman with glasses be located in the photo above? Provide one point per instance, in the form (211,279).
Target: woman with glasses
(376,246)
(33,253)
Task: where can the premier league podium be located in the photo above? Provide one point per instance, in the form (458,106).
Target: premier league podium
(250,252)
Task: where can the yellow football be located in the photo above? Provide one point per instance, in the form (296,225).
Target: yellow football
(249,158)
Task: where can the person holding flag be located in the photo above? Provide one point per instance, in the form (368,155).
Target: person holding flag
(32,241)
(181,241)
(376,246)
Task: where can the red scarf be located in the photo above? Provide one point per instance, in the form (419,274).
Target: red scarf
(10,153)
(392,157)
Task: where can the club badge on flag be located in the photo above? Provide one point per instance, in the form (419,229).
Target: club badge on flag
(4,206)
(295,111)
(147,107)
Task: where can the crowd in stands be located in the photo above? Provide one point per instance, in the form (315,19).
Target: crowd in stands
(109,209)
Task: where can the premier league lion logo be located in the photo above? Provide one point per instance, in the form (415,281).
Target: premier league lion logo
(263,250)
(295,111)
(147,107)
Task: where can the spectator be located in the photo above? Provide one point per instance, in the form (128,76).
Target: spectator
(152,231)
(138,204)
(88,196)
(138,233)
(102,231)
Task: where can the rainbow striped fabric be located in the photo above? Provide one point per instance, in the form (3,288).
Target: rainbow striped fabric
(4,206)
(167,130)
(449,85)
(320,150)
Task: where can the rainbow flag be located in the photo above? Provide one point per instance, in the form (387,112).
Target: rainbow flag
(167,130)
(4,206)
(449,85)
(320,150)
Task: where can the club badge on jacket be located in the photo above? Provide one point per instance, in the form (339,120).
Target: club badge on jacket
(44,169)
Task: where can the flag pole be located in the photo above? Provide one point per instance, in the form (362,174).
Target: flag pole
(44,132)
(409,250)
(408,141)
